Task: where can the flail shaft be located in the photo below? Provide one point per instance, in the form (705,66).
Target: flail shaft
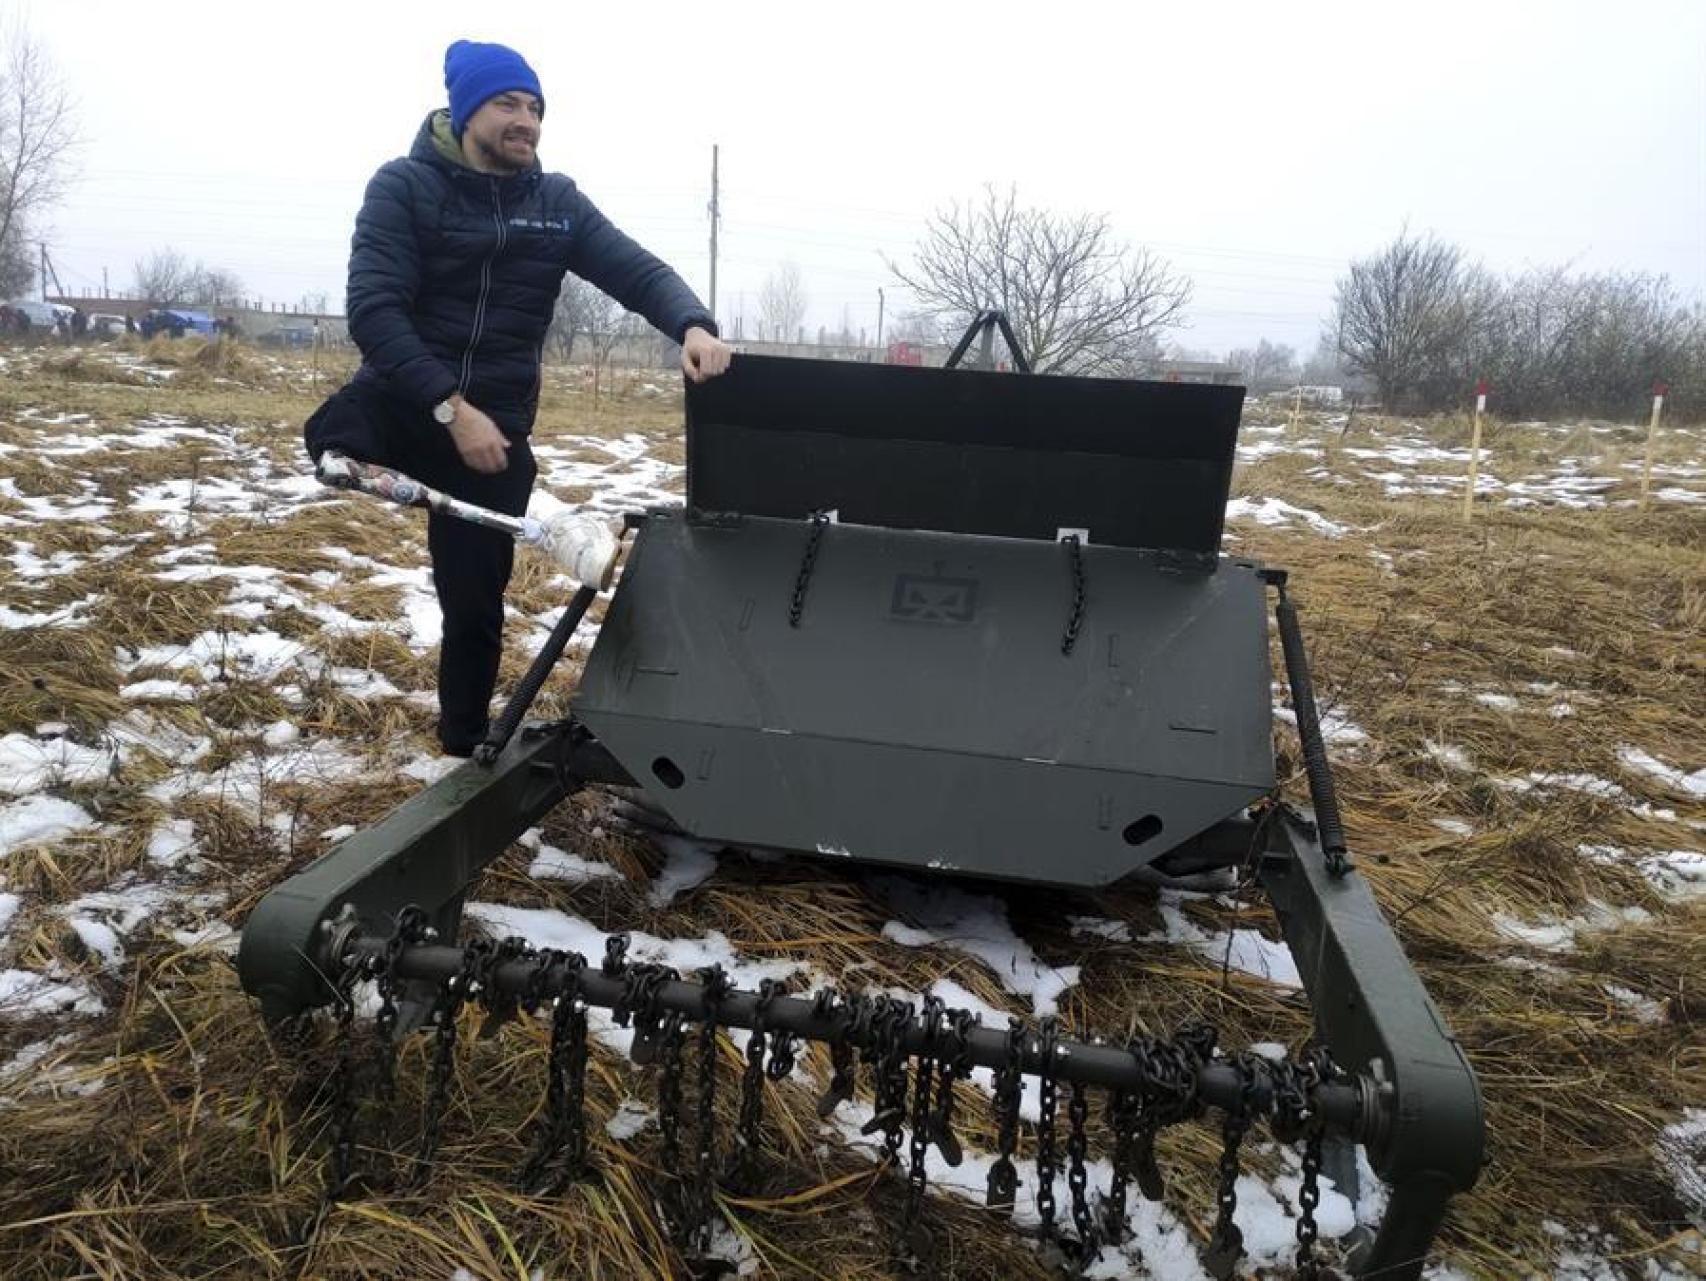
(1352,1106)
(1151,1083)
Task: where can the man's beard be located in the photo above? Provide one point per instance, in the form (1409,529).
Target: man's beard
(495,156)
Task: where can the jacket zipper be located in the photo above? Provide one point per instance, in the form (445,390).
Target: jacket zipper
(485,291)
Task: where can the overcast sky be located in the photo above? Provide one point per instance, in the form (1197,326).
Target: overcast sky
(1258,146)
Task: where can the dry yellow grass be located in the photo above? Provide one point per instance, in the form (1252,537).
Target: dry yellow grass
(201,1154)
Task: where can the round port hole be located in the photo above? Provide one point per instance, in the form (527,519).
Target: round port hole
(1146,828)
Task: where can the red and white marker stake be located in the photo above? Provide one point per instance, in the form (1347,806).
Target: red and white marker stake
(1659,390)
(1475,448)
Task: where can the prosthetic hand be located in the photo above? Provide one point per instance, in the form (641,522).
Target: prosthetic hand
(582,544)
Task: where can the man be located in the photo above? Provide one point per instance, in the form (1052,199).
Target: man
(459,252)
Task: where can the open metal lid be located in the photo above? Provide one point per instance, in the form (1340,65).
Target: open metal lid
(1133,464)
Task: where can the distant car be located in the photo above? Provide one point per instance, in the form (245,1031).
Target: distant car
(104,324)
(288,336)
(38,317)
(175,322)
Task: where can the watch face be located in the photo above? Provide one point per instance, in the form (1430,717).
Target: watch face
(444,413)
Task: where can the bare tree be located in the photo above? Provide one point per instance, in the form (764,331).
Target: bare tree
(1406,317)
(1424,326)
(571,318)
(168,276)
(1589,343)
(216,287)
(314,303)
(607,327)
(37,135)
(165,276)
(1324,368)
(1079,301)
(917,327)
(599,319)
(782,303)
(1265,366)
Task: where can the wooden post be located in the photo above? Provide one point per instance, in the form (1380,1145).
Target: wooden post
(1296,409)
(1659,390)
(1475,449)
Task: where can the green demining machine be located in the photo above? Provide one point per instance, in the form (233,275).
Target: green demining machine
(959,623)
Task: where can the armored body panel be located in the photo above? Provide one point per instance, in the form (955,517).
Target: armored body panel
(898,687)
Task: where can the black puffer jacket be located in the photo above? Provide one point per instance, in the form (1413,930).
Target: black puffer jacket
(453,275)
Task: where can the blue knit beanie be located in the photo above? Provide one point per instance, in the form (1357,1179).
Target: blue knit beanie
(474,72)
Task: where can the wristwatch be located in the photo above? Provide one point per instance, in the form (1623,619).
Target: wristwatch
(444,413)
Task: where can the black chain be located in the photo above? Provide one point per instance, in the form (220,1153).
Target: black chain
(1226,1243)
(1009,1086)
(639,1004)
(1078,1174)
(1047,1045)
(923,1078)
(1075,619)
(715,986)
(784,1051)
(343,1102)
(410,929)
(456,990)
(615,956)
(819,522)
(847,1015)
(537,985)
(1125,1121)
(747,1129)
(887,1053)
(954,1064)
(500,1005)
(562,1133)
(670,1042)
(1316,1069)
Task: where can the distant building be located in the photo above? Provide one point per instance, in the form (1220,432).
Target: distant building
(1197,371)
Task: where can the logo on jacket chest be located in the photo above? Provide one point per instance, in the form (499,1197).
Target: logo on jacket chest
(551,226)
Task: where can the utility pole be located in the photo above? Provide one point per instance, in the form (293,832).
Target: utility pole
(716,216)
(48,272)
(879,315)
(104,291)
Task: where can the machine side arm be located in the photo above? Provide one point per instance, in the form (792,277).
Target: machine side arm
(425,852)
(1375,1016)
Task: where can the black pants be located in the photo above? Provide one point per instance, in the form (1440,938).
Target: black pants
(470,564)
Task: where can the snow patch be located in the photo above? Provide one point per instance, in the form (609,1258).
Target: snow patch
(1693,784)
(977,925)
(1276,511)
(171,842)
(32,765)
(1446,754)
(1337,729)
(1682,1152)
(1558,934)
(630,1117)
(36,819)
(24,993)
(688,863)
(1676,874)
(553,864)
